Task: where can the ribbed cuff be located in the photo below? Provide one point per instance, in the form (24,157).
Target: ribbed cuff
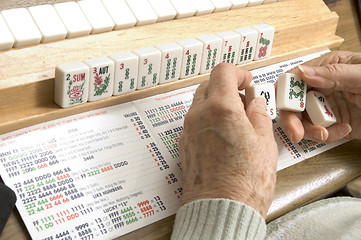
(218,219)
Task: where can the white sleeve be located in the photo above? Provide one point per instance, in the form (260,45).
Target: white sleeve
(218,219)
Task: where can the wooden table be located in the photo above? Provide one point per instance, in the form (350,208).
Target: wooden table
(298,185)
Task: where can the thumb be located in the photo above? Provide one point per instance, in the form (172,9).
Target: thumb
(257,115)
(341,77)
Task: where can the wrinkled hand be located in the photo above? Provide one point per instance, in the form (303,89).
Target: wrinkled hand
(338,76)
(227,151)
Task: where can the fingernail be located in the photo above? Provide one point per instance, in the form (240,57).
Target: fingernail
(307,71)
(344,129)
(261,101)
(318,136)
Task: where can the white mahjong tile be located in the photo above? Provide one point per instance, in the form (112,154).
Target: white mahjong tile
(203,7)
(254,2)
(269,1)
(22,26)
(120,12)
(73,18)
(148,67)
(191,57)
(239,3)
(266,90)
(48,22)
(71,84)
(97,16)
(126,72)
(164,9)
(212,47)
(291,93)
(184,8)
(230,48)
(101,78)
(6,37)
(247,48)
(319,110)
(142,11)
(221,5)
(171,62)
(265,40)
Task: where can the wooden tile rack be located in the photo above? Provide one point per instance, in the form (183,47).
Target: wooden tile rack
(27,74)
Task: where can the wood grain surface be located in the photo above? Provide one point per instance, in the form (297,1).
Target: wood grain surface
(298,185)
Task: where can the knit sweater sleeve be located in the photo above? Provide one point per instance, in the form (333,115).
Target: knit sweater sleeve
(218,219)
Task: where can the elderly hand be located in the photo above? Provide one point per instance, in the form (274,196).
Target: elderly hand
(227,151)
(338,76)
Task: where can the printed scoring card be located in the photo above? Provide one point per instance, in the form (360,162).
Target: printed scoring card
(107,172)
(96,175)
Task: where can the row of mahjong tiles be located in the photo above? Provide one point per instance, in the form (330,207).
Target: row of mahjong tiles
(99,78)
(46,23)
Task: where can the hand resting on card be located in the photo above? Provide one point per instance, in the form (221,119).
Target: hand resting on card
(338,76)
(228,151)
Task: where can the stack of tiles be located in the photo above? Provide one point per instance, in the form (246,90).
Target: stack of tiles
(291,96)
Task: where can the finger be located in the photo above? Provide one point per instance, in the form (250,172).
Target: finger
(353,98)
(333,57)
(243,97)
(314,132)
(245,76)
(342,77)
(257,115)
(201,93)
(225,80)
(338,131)
(292,124)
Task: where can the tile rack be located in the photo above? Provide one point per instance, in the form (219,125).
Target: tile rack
(27,74)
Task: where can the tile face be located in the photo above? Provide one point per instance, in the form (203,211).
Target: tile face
(291,93)
(126,72)
(171,62)
(97,16)
(239,3)
(203,7)
(230,48)
(164,9)
(265,40)
(221,5)
(22,26)
(71,84)
(73,18)
(6,37)
(254,2)
(121,14)
(48,22)
(249,37)
(148,67)
(212,47)
(184,8)
(101,79)
(142,11)
(191,58)
(266,90)
(319,110)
